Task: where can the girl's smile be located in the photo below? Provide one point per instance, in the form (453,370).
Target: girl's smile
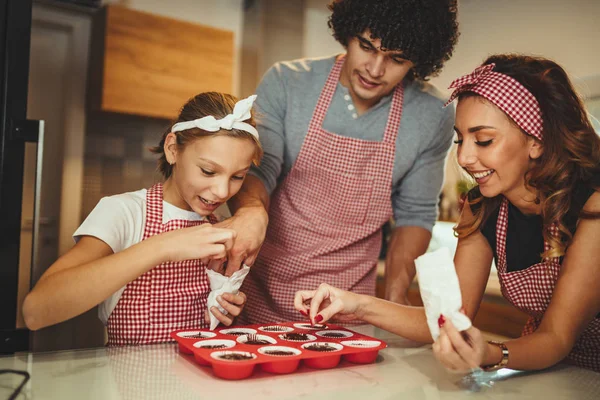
(207,172)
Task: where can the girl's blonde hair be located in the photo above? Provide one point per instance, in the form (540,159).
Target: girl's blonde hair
(219,105)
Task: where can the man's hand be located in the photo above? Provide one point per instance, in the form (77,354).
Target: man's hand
(249,221)
(250,224)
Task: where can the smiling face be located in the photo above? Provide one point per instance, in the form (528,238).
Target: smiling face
(493,150)
(370,73)
(206,172)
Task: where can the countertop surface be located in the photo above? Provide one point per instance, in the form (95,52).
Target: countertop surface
(405,370)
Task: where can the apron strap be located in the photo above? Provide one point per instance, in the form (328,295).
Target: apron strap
(326,95)
(501,234)
(393,122)
(154,208)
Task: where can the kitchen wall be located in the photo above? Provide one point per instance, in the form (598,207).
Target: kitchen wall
(116,154)
(273,31)
(566,31)
(270,30)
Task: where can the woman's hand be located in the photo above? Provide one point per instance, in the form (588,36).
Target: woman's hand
(459,351)
(326,302)
(203,242)
(232,303)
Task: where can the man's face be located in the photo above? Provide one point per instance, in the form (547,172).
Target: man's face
(370,73)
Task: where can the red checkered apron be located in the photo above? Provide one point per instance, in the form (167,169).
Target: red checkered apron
(170,296)
(325,218)
(530,290)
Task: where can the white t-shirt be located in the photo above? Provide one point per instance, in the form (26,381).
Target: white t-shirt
(119,221)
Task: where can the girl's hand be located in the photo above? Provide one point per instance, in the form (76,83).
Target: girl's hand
(203,242)
(459,351)
(232,303)
(327,302)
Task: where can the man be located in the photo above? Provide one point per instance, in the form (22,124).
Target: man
(349,141)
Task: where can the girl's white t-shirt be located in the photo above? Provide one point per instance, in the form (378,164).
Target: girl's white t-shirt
(119,222)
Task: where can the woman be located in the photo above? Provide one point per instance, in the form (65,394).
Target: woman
(525,137)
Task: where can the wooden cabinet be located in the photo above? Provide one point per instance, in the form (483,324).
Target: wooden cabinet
(149,65)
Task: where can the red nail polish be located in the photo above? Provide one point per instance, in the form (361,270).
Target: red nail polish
(319,318)
(441,321)
(303,313)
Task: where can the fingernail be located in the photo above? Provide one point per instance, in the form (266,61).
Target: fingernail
(462,310)
(303,313)
(319,318)
(219,298)
(441,321)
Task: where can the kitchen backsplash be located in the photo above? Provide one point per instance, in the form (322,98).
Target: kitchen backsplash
(117,158)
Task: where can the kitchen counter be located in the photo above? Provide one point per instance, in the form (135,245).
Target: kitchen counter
(404,370)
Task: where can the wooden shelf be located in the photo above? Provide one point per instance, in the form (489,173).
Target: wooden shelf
(150,65)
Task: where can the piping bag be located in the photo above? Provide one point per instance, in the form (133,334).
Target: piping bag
(440,290)
(220,284)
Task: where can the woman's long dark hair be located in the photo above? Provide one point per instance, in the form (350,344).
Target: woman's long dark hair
(571,148)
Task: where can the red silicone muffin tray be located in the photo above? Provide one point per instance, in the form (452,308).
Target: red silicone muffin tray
(277,348)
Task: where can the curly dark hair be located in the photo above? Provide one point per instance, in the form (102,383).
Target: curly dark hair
(424,30)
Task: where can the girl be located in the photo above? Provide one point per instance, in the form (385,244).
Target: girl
(141,255)
(525,137)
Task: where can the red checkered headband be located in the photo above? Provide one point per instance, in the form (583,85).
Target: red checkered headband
(506,93)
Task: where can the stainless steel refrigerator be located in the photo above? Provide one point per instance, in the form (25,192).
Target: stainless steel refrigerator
(40,47)
(18,136)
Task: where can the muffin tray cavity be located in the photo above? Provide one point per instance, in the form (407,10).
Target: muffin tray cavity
(278,348)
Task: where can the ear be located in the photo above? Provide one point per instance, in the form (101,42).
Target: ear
(536,149)
(170,148)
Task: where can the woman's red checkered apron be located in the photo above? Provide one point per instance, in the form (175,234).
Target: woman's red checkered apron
(168,297)
(531,289)
(325,218)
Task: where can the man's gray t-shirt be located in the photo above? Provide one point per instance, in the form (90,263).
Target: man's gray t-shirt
(287,96)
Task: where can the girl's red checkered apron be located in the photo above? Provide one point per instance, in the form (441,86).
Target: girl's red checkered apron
(325,218)
(531,289)
(168,297)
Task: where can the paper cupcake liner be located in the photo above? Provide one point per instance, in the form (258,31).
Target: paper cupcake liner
(197,334)
(335,334)
(238,331)
(229,355)
(253,339)
(291,337)
(273,350)
(365,344)
(276,328)
(308,326)
(211,343)
(334,347)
